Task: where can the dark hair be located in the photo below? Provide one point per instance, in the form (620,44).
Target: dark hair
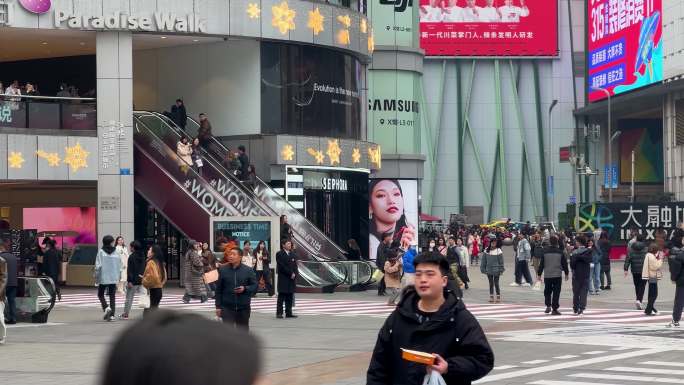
(158,257)
(145,353)
(179,100)
(246,243)
(136,246)
(553,240)
(641,238)
(436,259)
(261,243)
(284,241)
(282,218)
(653,248)
(353,245)
(489,246)
(107,246)
(241,148)
(401,222)
(582,240)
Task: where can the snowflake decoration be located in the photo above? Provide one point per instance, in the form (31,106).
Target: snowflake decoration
(76,157)
(375,156)
(52,158)
(287,152)
(363,26)
(334,152)
(343,37)
(253,11)
(371,42)
(318,155)
(15,160)
(283,17)
(356,156)
(316,20)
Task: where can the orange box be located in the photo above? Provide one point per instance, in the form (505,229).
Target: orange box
(419,357)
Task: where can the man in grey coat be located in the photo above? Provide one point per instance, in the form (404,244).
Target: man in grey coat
(522,260)
(553,264)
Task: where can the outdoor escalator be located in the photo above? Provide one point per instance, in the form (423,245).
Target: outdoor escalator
(168,183)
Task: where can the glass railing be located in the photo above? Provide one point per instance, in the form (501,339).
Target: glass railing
(324,275)
(50,113)
(36,297)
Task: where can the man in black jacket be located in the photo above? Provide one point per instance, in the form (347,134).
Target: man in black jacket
(580,261)
(676,261)
(286,264)
(636,254)
(553,264)
(11,288)
(430,319)
(234,289)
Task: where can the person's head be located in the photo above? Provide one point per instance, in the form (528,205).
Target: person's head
(283,219)
(261,246)
(205,246)
(242,149)
(29,87)
(202,117)
(432,271)
(15,84)
(553,241)
(387,238)
(247,245)
(135,246)
(590,243)
(185,140)
(119,241)
(493,244)
(452,241)
(386,203)
(107,241)
(432,243)
(286,245)
(581,241)
(440,241)
(233,256)
(352,244)
(179,102)
(653,248)
(145,354)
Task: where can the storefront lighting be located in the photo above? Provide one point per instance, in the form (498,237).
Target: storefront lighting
(363,26)
(76,157)
(283,18)
(344,20)
(287,152)
(343,37)
(316,20)
(317,154)
(15,159)
(375,156)
(334,151)
(253,10)
(52,158)
(356,156)
(371,42)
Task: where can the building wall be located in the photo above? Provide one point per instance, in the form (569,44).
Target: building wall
(480,108)
(219,79)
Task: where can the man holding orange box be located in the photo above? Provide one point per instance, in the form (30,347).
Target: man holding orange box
(430,319)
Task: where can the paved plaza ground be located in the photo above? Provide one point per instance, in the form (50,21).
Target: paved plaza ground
(331,341)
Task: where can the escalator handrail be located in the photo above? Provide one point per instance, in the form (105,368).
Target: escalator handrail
(327,264)
(261,183)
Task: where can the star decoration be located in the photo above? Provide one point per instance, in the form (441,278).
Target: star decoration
(52,158)
(343,37)
(287,153)
(283,17)
(253,11)
(375,156)
(315,22)
(356,156)
(15,160)
(345,20)
(371,42)
(76,157)
(318,155)
(334,152)
(363,26)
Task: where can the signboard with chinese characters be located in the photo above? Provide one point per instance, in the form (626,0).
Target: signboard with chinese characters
(624,46)
(618,219)
(502,28)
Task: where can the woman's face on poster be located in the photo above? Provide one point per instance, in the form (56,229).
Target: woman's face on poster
(386,202)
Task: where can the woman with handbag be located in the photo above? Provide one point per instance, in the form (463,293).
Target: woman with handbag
(652,274)
(209,264)
(154,277)
(194,271)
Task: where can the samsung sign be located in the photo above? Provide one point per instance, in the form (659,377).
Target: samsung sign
(158,22)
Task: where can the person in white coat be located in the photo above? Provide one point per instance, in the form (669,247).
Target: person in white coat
(123,253)
(489,13)
(453,13)
(471,12)
(431,13)
(511,13)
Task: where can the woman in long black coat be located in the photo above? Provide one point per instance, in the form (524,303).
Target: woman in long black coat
(51,264)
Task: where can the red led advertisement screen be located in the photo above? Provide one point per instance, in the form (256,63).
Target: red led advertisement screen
(624,46)
(489,27)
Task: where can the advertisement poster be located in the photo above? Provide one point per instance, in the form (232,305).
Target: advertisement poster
(392,208)
(645,138)
(80,221)
(624,46)
(617,219)
(489,27)
(234,234)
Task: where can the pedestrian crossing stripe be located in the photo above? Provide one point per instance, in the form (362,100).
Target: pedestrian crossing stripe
(377,309)
(643,375)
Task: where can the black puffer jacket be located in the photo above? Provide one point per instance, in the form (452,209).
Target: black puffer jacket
(635,258)
(676,261)
(452,333)
(136,268)
(579,262)
(604,246)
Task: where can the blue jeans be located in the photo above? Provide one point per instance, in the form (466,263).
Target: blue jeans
(595,278)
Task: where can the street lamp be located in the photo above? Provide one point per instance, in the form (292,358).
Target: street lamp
(551,164)
(610,147)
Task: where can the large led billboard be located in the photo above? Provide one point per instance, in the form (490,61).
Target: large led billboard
(499,28)
(624,46)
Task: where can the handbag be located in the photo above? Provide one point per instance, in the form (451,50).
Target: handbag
(144,300)
(378,275)
(211,276)
(198,162)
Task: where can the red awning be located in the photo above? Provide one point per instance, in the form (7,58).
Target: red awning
(429,218)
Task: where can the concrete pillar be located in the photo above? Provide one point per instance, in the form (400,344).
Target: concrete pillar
(115,134)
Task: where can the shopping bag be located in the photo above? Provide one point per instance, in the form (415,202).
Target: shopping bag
(537,286)
(377,275)
(144,299)
(211,276)
(433,378)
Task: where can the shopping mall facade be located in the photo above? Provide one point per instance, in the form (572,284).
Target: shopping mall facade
(286,79)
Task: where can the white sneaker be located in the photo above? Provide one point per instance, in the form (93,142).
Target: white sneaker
(526,284)
(639,305)
(2,341)
(514,284)
(108,313)
(655,312)
(672,325)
